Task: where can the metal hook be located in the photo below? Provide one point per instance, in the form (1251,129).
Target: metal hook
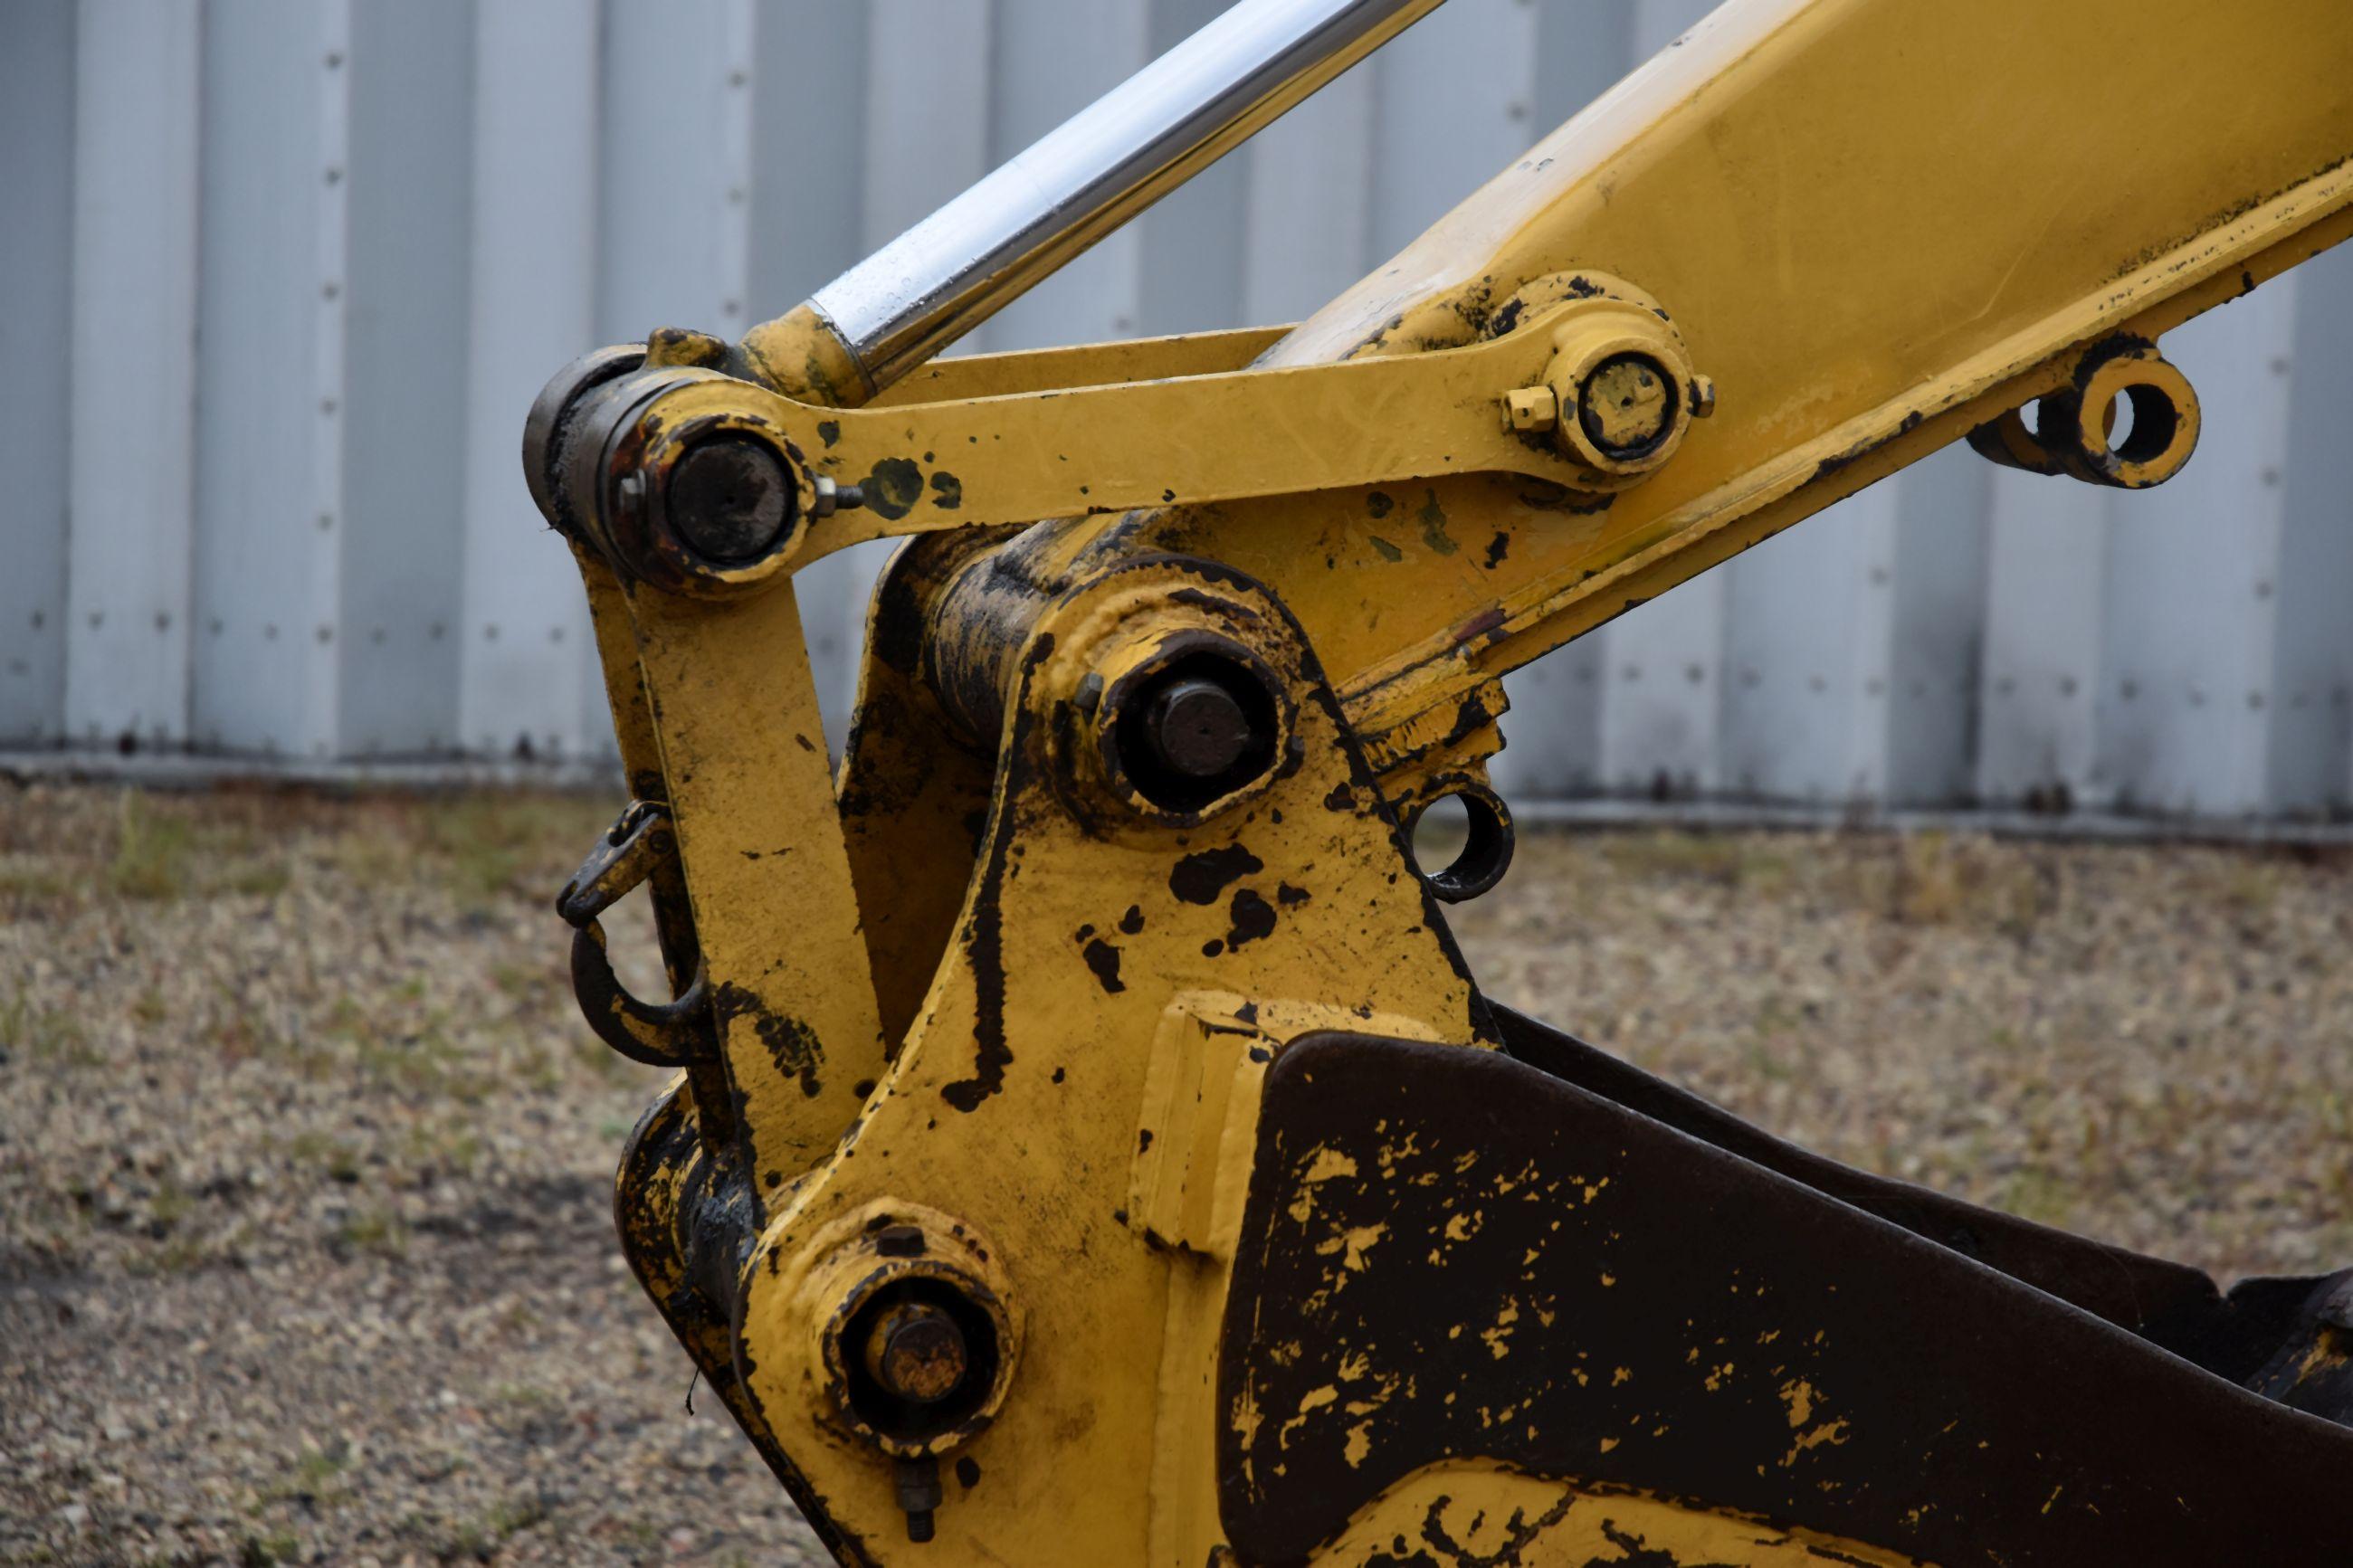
(673,1034)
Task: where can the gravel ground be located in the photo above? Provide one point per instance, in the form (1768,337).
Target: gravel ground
(304,1247)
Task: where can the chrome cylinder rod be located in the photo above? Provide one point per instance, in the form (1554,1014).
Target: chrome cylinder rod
(1080,181)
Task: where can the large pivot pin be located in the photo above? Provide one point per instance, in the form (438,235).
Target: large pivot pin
(1621,393)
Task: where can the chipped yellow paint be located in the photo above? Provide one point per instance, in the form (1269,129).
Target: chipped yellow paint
(1498,1339)
(2327,1355)
(1466,1514)
(1352,1244)
(1828,1432)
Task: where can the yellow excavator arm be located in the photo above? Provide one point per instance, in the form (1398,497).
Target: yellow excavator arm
(1089,1146)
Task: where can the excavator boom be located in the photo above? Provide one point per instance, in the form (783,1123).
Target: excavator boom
(1089,1146)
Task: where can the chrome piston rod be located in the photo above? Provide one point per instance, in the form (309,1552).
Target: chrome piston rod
(1080,181)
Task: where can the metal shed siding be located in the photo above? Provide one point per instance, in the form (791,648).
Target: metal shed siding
(301,265)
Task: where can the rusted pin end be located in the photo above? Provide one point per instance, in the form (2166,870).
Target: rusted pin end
(1626,405)
(1197,728)
(917,1352)
(731,497)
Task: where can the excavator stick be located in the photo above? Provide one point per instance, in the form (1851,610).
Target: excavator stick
(1089,1146)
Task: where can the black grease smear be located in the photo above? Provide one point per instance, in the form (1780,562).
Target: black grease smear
(1252,916)
(1103,959)
(1199,878)
(1131,921)
(947,491)
(893,487)
(792,1044)
(984,939)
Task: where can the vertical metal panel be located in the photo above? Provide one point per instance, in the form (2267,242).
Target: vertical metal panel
(925,105)
(1457,103)
(402,523)
(2191,591)
(808,185)
(132,441)
(2046,544)
(1190,273)
(1661,703)
(1937,638)
(675,136)
(808,199)
(926,109)
(36,191)
(1551,736)
(2311,739)
(1662,666)
(1309,202)
(1580,51)
(1051,58)
(1809,623)
(524,684)
(269,381)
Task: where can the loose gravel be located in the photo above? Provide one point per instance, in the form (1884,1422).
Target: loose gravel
(305,1252)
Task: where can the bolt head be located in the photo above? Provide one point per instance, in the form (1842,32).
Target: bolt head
(1532,408)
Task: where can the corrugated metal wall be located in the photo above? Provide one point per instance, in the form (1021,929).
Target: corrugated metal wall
(278,278)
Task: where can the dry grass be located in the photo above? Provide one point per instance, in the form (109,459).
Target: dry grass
(304,1156)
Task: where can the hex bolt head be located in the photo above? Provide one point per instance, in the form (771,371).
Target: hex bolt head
(1197,728)
(1532,408)
(1627,404)
(917,1482)
(917,1352)
(730,499)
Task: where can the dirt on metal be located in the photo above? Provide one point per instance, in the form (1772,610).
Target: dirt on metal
(305,1157)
